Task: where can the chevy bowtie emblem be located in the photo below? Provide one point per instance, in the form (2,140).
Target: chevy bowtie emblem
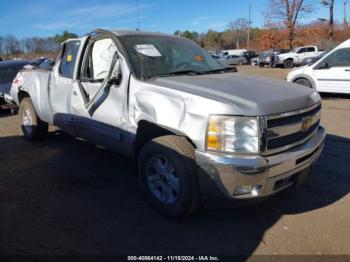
(306,124)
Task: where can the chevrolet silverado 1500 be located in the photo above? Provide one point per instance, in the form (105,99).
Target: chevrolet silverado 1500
(200,134)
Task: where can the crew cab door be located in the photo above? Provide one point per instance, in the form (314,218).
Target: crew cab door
(100,108)
(332,74)
(61,84)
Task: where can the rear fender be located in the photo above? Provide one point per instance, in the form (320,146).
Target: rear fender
(36,84)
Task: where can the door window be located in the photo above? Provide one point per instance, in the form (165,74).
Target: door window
(69,58)
(339,58)
(311,49)
(98,60)
(301,50)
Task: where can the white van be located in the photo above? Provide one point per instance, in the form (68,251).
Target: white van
(238,52)
(331,74)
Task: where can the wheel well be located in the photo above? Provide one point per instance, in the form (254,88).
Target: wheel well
(299,79)
(21,95)
(304,78)
(147,131)
(289,59)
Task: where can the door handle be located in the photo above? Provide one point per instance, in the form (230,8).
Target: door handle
(347,70)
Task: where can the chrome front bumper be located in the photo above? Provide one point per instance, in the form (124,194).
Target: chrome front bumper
(227,175)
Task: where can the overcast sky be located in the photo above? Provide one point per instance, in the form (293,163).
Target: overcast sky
(46,17)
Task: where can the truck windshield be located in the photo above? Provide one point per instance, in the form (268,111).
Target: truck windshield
(153,56)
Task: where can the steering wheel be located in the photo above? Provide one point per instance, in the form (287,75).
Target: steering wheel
(183,65)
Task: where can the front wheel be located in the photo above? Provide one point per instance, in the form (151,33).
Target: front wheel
(289,64)
(167,174)
(303,82)
(33,128)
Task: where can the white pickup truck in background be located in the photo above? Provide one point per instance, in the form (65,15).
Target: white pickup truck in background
(297,55)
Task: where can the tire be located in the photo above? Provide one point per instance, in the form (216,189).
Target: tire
(33,128)
(165,159)
(289,64)
(303,82)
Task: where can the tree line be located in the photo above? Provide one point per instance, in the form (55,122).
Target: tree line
(281,29)
(10,45)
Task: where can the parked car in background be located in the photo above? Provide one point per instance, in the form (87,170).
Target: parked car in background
(268,57)
(255,61)
(37,61)
(199,134)
(331,74)
(249,55)
(8,71)
(47,64)
(233,60)
(297,55)
(238,52)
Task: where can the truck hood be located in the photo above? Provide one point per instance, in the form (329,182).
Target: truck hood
(249,96)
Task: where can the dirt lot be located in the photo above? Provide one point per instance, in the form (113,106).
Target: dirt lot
(65,196)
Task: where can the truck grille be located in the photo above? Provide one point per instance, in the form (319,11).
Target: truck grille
(271,123)
(290,129)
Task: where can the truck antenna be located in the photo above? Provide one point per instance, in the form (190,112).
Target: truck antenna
(138,14)
(249,23)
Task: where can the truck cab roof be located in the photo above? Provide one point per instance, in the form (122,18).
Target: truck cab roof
(128,33)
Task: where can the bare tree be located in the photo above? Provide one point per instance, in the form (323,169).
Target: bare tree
(346,25)
(12,45)
(288,12)
(237,31)
(330,4)
(1,44)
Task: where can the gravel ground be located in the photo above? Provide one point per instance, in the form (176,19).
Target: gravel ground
(65,196)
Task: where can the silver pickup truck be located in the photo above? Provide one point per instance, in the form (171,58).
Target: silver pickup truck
(199,133)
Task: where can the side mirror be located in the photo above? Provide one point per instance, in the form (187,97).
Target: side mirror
(323,65)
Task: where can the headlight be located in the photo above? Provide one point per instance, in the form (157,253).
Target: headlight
(233,134)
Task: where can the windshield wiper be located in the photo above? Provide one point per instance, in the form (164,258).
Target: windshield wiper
(176,73)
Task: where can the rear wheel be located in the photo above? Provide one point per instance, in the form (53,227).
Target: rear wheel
(33,128)
(167,175)
(303,82)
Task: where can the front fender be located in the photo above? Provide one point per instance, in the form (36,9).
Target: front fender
(180,112)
